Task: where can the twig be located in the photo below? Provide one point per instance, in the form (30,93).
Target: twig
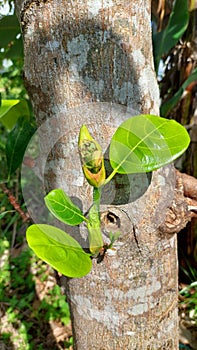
(12,199)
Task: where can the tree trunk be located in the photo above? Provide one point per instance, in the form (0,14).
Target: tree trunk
(90,62)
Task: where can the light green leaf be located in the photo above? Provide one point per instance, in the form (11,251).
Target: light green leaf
(17,142)
(168,105)
(146,142)
(11,110)
(59,250)
(177,24)
(63,208)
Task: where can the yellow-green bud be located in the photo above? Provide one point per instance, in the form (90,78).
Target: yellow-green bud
(91,158)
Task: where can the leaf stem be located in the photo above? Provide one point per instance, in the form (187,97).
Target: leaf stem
(94,225)
(110,177)
(96,197)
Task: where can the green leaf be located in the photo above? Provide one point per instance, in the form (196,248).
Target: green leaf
(11,110)
(63,208)
(168,105)
(9,28)
(59,250)
(177,24)
(146,142)
(113,237)
(17,142)
(6,212)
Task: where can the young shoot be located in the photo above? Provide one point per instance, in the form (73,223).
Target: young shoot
(141,144)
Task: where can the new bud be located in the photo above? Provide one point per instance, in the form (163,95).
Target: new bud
(91,158)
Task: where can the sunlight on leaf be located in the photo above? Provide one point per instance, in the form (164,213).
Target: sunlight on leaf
(11,110)
(63,208)
(59,250)
(146,142)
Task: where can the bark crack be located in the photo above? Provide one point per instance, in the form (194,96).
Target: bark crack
(136,240)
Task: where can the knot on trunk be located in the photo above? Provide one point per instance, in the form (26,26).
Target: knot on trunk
(184,205)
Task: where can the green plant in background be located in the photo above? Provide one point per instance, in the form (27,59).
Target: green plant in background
(167,106)
(16,118)
(55,306)
(10,38)
(11,58)
(141,144)
(165,40)
(189,294)
(28,317)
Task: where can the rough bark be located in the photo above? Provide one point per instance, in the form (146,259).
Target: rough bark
(91,62)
